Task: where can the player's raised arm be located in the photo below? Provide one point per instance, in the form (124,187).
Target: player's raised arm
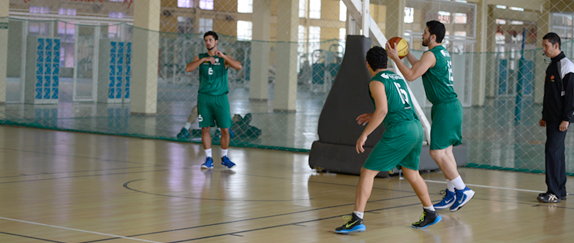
(419,68)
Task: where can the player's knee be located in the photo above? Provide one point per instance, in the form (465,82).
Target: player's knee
(205,130)
(438,155)
(224,131)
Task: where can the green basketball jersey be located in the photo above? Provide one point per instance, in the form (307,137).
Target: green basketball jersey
(399,103)
(213,77)
(438,80)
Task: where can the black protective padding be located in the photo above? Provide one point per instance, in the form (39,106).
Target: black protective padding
(349,98)
(338,129)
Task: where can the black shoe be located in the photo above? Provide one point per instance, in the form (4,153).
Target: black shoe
(428,218)
(548,198)
(354,224)
(544,194)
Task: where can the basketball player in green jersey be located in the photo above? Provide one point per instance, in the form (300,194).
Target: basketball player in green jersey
(435,67)
(212,102)
(400,145)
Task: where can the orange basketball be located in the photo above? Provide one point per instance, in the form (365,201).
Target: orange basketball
(402,46)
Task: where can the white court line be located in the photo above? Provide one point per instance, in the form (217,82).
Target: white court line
(85,231)
(495,187)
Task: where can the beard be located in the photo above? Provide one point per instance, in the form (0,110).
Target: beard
(426,42)
(209,49)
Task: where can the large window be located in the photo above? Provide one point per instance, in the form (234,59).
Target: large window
(314,38)
(563,25)
(115,29)
(40,10)
(39,28)
(409,15)
(206,4)
(184,25)
(302,8)
(185,3)
(205,25)
(67,34)
(342,39)
(245,6)
(315,9)
(244,30)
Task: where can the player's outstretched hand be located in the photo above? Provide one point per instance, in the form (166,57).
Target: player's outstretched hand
(364,118)
(360,143)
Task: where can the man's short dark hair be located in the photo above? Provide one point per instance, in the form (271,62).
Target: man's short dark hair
(377,58)
(436,28)
(208,33)
(553,38)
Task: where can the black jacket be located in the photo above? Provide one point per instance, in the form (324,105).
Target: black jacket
(559,90)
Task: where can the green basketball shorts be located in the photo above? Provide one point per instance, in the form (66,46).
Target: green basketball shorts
(401,145)
(446,128)
(213,110)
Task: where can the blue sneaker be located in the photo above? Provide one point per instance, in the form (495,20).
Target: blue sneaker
(226,162)
(462,197)
(447,200)
(353,224)
(208,163)
(428,218)
(184,133)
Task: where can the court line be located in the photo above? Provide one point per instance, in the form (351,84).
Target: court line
(79,230)
(256,218)
(68,177)
(74,171)
(493,187)
(30,237)
(126,185)
(290,224)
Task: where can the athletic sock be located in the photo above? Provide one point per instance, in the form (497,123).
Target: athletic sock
(187,125)
(208,153)
(359,214)
(449,185)
(458,183)
(431,208)
(223,153)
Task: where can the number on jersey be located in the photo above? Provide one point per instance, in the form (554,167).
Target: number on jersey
(403,94)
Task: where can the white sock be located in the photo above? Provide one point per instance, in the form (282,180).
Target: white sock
(208,152)
(458,183)
(431,208)
(449,185)
(223,153)
(187,125)
(359,214)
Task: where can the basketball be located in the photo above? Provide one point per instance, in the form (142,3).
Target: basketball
(402,46)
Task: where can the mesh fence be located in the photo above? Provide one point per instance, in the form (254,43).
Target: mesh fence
(83,80)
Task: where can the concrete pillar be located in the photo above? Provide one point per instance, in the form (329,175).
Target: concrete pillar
(543,27)
(479,81)
(4,6)
(286,56)
(490,56)
(145,57)
(259,76)
(394,18)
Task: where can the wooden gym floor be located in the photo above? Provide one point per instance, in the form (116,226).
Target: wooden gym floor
(74,187)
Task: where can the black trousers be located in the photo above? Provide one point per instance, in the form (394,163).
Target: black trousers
(555,159)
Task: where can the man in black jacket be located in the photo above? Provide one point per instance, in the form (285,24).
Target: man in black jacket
(557,112)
